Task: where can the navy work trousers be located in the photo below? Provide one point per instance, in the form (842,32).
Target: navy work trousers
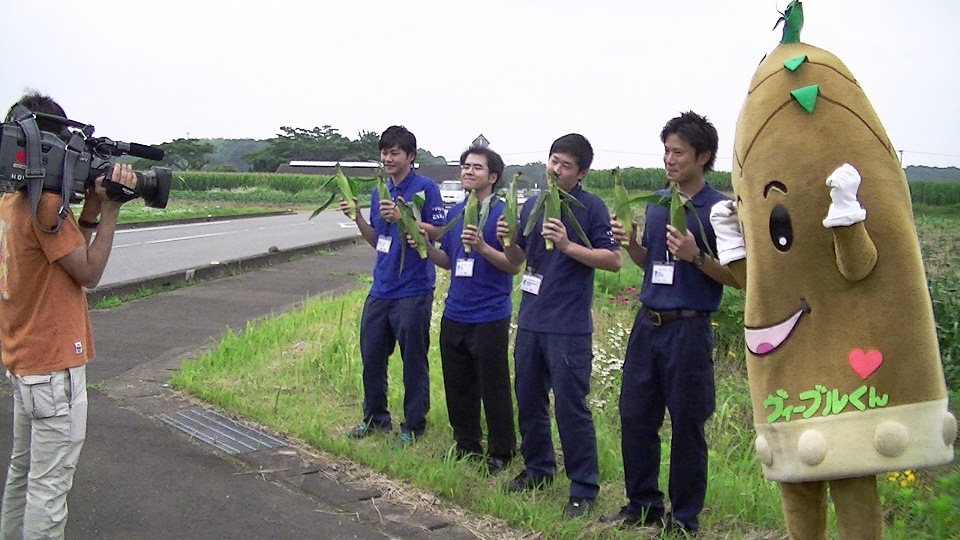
(667,367)
(384,324)
(562,362)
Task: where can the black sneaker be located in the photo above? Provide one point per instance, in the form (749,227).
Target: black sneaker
(526,482)
(626,518)
(577,507)
(366,429)
(674,526)
(497,465)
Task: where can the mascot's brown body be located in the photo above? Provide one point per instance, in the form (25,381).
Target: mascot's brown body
(843,361)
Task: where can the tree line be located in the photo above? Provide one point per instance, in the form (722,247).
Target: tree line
(322,143)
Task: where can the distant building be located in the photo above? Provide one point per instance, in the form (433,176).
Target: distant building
(364,169)
(439,172)
(481,141)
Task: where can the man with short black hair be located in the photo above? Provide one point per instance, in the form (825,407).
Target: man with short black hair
(475,329)
(398,308)
(669,356)
(45,336)
(553,348)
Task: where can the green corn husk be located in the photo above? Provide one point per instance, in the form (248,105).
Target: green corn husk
(408,225)
(510,211)
(678,214)
(552,204)
(383,192)
(623,208)
(674,202)
(551,207)
(471,214)
(346,189)
(333,196)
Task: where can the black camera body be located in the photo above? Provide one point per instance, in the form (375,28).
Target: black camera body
(70,162)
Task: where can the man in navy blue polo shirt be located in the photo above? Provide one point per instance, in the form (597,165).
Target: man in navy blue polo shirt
(669,357)
(398,307)
(475,329)
(553,349)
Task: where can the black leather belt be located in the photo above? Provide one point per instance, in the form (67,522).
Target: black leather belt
(660,318)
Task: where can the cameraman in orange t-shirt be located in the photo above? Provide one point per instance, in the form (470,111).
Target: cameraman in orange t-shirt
(46,339)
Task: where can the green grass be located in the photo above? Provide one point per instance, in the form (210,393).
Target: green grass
(135,211)
(299,373)
(115,300)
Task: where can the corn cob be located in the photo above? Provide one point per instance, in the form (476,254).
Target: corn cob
(383,192)
(678,215)
(346,191)
(408,225)
(551,206)
(510,211)
(470,214)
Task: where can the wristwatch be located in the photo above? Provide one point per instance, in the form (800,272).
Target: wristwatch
(698,260)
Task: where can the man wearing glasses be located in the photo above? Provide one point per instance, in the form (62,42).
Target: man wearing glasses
(475,328)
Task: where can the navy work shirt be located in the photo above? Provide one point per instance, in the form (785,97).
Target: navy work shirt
(484,297)
(566,293)
(418,275)
(691,289)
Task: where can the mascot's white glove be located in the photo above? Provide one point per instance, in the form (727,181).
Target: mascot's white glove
(845,209)
(726,225)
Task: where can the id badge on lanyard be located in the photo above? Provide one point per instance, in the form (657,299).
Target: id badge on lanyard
(663,271)
(464,268)
(531,282)
(384,243)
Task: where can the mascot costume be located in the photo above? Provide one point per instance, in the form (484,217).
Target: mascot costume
(842,354)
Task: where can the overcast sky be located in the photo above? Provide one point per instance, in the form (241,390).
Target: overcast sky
(520,72)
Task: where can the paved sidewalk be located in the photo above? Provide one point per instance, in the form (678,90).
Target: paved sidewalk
(140,478)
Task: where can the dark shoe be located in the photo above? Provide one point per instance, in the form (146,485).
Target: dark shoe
(525,482)
(405,439)
(577,507)
(366,429)
(674,526)
(626,518)
(497,465)
(465,455)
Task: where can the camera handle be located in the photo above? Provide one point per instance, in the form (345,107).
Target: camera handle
(35,172)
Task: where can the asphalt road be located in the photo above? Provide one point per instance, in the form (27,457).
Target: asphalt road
(140,253)
(140,478)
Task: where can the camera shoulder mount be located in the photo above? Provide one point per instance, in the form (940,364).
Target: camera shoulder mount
(35,172)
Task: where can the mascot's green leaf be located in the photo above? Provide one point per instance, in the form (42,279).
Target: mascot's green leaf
(806,96)
(794,63)
(792,19)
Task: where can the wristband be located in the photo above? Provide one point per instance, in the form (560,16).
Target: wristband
(87,224)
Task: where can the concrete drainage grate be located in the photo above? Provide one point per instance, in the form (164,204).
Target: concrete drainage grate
(224,433)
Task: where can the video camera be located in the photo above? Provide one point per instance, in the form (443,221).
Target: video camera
(70,162)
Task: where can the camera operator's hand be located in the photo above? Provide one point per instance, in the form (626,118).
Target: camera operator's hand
(85,264)
(125,181)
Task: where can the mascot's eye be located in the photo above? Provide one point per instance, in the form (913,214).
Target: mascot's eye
(781,231)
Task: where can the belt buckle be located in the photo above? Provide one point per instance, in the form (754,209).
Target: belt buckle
(655,317)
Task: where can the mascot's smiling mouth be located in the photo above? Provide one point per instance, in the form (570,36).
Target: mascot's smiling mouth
(761,341)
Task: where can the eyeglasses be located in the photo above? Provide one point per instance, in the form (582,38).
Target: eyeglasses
(475,167)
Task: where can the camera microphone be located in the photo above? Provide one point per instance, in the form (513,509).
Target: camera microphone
(106,148)
(141,151)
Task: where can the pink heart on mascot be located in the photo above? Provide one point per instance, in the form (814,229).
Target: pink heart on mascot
(865,363)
